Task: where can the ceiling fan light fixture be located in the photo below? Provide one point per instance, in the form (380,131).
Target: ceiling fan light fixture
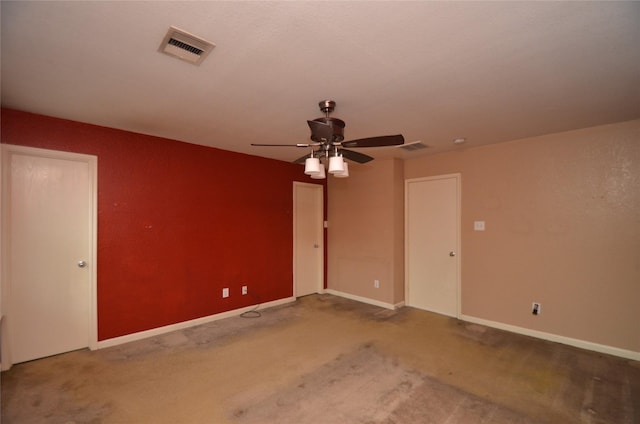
(343,174)
(320,175)
(312,166)
(336,164)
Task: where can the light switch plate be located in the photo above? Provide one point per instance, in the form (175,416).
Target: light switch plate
(478,225)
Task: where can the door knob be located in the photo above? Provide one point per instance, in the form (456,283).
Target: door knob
(452,253)
(82,264)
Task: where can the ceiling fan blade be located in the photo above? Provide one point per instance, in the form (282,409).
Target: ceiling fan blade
(385,140)
(302,159)
(284,145)
(355,156)
(320,131)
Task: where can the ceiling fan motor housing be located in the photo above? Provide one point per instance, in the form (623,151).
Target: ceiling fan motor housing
(336,124)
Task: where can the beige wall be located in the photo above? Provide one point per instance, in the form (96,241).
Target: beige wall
(366,232)
(562,217)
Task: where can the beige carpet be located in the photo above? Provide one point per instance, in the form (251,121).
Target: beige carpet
(368,387)
(327,360)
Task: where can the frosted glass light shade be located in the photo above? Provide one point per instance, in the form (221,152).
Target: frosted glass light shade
(336,164)
(320,175)
(312,166)
(343,174)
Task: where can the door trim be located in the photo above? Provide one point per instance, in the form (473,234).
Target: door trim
(320,286)
(458,178)
(6,152)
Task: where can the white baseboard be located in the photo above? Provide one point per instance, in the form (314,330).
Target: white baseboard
(582,344)
(186,324)
(596,347)
(364,299)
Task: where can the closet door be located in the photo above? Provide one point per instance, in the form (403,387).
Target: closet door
(432,226)
(48,213)
(308,234)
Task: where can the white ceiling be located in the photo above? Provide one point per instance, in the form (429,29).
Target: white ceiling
(432,71)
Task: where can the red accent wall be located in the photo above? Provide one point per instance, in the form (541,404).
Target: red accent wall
(177,222)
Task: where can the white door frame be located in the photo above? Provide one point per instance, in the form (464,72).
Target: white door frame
(458,247)
(320,287)
(5,293)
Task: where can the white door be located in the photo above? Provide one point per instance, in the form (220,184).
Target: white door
(48,262)
(432,227)
(308,243)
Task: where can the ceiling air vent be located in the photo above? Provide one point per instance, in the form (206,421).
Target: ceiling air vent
(185,46)
(412,147)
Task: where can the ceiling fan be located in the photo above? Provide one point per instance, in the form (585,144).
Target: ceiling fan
(327,139)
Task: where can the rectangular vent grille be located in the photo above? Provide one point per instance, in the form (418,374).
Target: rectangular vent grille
(412,147)
(185,46)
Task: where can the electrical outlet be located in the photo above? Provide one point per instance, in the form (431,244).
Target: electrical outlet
(244,290)
(376,284)
(225,292)
(536,308)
